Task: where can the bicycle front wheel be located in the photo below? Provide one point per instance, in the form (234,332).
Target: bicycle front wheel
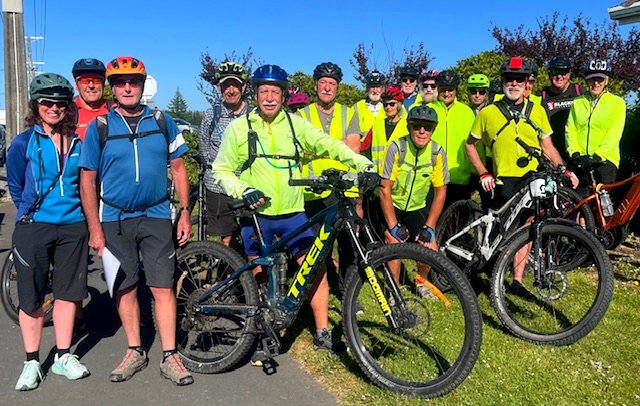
(213,343)
(9,292)
(565,302)
(438,339)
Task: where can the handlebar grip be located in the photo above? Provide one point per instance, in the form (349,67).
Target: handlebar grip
(237,204)
(302,182)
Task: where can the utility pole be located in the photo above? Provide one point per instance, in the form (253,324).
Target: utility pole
(15,72)
(31,65)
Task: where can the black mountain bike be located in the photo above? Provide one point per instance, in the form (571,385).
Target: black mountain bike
(401,341)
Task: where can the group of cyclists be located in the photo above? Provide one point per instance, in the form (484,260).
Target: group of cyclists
(90,173)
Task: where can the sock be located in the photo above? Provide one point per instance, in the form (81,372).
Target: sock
(137,348)
(62,351)
(31,356)
(166,354)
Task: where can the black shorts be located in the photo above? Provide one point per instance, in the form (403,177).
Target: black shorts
(413,220)
(603,174)
(35,247)
(502,193)
(221,220)
(146,238)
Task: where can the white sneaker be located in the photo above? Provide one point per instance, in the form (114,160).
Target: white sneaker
(30,377)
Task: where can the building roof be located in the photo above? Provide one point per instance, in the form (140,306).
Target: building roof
(627,12)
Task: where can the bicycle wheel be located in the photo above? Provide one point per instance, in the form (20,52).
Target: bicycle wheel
(567,200)
(439,339)
(212,343)
(452,221)
(9,292)
(566,304)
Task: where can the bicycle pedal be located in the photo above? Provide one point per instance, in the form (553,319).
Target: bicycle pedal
(270,347)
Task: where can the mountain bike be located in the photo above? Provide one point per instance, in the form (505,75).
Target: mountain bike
(402,342)
(568,277)
(612,229)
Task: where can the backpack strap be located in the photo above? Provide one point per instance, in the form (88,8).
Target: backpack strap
(577,88)
(104,136)
(214,119)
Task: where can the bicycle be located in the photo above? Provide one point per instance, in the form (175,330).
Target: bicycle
(611,229)
(221,315)
(559,259)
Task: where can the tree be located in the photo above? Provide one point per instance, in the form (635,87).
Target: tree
(580,41)
(206,82)
(178,105)
(361,62)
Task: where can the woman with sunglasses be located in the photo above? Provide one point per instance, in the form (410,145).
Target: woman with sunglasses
(594,128)
(50,227)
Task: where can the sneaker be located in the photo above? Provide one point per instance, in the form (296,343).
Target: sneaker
(69,367)
(425,293)
(518,289)
(172,368)
(132,362)
(30,377)
(325,342)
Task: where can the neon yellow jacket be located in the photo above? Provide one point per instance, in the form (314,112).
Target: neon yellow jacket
(452,131)
(596,128)
(365,116)
(270,175)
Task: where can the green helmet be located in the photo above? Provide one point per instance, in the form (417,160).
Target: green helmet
(50,86)
(422,113)
(231,70)
(478,80)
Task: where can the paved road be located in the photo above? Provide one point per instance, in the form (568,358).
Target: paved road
(101,350)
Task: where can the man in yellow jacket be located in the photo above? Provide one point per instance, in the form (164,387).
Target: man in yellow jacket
(280,139)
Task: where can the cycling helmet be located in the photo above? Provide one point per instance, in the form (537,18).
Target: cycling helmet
(125,65)
(88,65)
(271,75)
(392,93)
(328,70)
(559,62)
(422,112)
(597,68)
(516,65)
(408,71)
(374,78)
(448,78)
(495,86)
(233,70)
(477,80)
(429,75)
(298,99)
(50,86)
(533,67)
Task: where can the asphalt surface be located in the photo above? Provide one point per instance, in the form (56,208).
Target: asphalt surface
(104,346)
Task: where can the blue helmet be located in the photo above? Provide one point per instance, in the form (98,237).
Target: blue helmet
(597,68)
(271,75)
(88,65)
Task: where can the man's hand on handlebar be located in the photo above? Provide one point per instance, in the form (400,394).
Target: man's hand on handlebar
(487,181)
(369,179)
(253,198)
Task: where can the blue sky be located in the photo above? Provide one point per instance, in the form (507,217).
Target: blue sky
(170,36)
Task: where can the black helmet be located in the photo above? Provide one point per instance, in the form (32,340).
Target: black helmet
(422,112)
(495,86)
(533,67)
(448,78)
(50,86)
(516,65)
(271,75)
(374,78)
(596,68)
(88,65)
(409,71)
(231,70)
(327,70)
(559,62)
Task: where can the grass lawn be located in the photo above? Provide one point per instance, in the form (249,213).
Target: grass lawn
(603,368)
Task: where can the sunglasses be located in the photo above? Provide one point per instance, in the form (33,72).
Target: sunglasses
(478,91)
(391,103)
(446,90)
(90,80)
(427,126)
(429,86)
(408,80)
(120,83)
(556,72)
(48,103)
(515,78)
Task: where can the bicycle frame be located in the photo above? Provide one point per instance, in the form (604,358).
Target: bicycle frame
(523,199)
(625,210)
(332,219)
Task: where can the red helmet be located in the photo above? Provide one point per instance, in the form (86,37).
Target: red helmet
(125,65)
(392,93)
(300,98)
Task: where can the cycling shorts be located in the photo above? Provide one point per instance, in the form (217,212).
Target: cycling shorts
(275,226)
(413,220)
(221,220)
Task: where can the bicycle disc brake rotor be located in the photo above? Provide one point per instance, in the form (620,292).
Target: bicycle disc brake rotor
(416,320)
(553,286)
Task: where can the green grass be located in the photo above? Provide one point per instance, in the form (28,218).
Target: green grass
(602,368)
